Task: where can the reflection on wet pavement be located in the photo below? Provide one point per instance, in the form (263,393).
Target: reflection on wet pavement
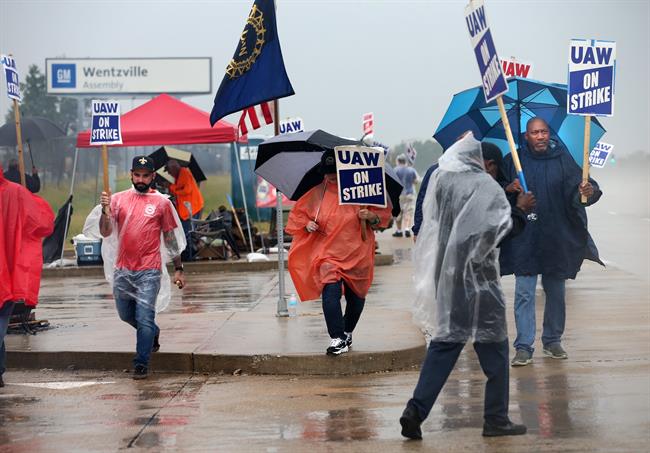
(90,297)
(566,406)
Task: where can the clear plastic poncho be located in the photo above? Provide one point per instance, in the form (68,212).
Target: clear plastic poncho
(465,216)
(110,246)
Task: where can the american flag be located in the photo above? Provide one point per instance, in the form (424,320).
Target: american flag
(368,123)
(255,117)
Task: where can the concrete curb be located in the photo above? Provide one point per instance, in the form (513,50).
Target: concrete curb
(269,364)
(197,267)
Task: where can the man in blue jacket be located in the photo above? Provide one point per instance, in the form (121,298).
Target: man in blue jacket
(552,246)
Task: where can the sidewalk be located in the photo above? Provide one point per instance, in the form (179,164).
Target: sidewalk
(223,322)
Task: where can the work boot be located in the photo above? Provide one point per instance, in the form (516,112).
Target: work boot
(140,372)
(509,429)
(411,422)
(522,358)
(555,351)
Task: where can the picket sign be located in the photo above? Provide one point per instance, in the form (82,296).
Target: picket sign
(590,88)
(494,81)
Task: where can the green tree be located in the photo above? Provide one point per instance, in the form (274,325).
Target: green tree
(36,102)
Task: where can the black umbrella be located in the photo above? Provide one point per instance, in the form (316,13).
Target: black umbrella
(291,163)
(33,128)
(185,158)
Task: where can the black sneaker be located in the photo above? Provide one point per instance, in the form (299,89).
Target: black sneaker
(410,422)
(407,233)
(555,351)
(2,382)
(337,346)
(509,429)
(398,234)
(348,339)
(140,372)
(156,343)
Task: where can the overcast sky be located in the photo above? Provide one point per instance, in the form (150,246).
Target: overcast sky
(402,59)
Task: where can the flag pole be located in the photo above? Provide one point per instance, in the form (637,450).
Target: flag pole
(19,142)
(282,302)
(243,195)
(511,143)
(585,159)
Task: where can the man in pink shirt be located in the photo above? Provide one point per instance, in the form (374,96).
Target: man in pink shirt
(140,216)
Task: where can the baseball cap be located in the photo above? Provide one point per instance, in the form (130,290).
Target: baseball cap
(143,163)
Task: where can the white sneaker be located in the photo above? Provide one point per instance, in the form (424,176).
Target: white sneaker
(337,346)
(348,339)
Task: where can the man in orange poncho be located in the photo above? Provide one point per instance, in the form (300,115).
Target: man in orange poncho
(185,190)
(24,220)
(328,256)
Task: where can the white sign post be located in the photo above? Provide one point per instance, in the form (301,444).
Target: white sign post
(590,88)
(13,93)
(105,130)
(361,178)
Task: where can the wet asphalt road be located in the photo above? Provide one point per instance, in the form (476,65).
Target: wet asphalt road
(568,406)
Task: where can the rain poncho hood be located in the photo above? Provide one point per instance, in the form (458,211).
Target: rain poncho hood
(465,216)
(558,241)
(25,219)
(110,244)
(336,251)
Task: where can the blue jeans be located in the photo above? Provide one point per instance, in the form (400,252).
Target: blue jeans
(5,314)
(337,324)
(438,364)
(135,299)
(554,311)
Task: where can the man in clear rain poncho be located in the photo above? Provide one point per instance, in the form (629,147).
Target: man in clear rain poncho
(458,292)
(141,232)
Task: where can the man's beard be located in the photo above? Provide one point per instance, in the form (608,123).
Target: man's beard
(142,187)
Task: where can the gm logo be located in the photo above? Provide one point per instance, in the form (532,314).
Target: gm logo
(64,75)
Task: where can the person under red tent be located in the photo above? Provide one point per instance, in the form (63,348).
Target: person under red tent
(25,219)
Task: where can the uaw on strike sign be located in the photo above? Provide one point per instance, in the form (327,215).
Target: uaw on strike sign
(494,82)
(592,67)
(105,128)
(360,172)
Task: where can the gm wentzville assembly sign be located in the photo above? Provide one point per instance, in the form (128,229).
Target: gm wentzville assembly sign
(129,76)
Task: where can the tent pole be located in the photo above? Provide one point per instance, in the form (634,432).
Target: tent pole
(282,302)
(243,195)
(67,215)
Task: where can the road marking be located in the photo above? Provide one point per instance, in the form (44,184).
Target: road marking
(62,385)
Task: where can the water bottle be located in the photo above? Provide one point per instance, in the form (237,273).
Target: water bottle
(292,306)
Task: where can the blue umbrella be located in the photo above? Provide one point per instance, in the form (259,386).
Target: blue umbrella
(524,100)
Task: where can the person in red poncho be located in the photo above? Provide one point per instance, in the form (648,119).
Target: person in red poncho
(328,256)
(25,219)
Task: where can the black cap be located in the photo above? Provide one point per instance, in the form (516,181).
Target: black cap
(491,151)
(328,163)
(143,163)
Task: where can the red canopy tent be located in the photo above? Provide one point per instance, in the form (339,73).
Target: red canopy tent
(165,120)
